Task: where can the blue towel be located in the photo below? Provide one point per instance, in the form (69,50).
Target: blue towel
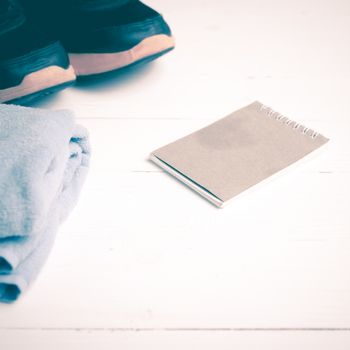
(44,159)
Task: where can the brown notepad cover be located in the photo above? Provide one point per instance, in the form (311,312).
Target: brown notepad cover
(237,152)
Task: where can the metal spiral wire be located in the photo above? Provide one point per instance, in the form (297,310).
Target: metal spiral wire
(283,119)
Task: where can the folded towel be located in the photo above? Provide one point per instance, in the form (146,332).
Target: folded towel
(44,158)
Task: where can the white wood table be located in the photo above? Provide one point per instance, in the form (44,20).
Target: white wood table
(145,263)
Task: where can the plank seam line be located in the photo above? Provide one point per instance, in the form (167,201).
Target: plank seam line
(181,329)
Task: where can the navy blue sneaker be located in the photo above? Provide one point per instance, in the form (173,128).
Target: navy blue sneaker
(104,35)
(31,64)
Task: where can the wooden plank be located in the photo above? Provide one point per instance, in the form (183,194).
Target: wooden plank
(125,144)
(141,250)
(290,55)
(173,340)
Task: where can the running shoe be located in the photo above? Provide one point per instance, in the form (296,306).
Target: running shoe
(31,64)
(104,35)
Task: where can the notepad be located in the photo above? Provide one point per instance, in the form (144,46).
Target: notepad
(237,152)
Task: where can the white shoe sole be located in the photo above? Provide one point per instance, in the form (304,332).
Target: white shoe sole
(96,63)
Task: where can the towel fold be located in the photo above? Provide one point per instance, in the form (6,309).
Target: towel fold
(44,158)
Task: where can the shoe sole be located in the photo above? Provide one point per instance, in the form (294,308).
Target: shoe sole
(28,99)
(97,63)
(37,84)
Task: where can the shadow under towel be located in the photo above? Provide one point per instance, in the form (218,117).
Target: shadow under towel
(44,158)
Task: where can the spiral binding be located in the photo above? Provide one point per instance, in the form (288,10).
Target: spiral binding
(283,119)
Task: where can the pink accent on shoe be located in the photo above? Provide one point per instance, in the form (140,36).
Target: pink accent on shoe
(95,63)
(38,81)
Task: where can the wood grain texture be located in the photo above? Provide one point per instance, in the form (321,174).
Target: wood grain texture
(174,340)
(144,261)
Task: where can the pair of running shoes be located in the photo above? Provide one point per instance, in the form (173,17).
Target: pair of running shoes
(46,44)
